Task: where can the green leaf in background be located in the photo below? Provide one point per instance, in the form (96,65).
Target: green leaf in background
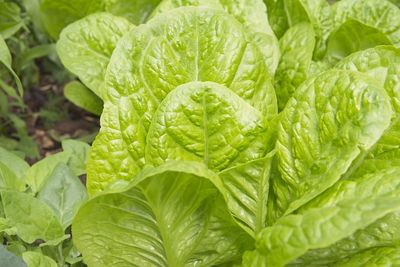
(172,215)
(277,16)
(37,259)
(38,174)
(8,259)
(297,47)
(17,165)
(71,11)
(32,218)
(321,226)
(180,56)
(64,193)
(6,227)
(32,7)
(85,47)
(9,180)
(79,155)
(30,54)
(5,59)
(136,11)
(74,155)
(316,12)
(353,36)
(330,121)
(82,97)
(25,144)
(10,19)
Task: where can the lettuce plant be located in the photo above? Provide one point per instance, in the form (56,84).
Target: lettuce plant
(212,152)
(38,204)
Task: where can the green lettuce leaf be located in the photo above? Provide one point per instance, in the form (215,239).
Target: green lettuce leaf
(251,13)
(85,46)
(136,11)
(64,193)
(83,97)
(206,122)
(71,11)
(154,59)
(17,165)
(172,215)
(277,16)
(37,259)
(353,36)
(379,256)
(31,218)
(383,232)
(74,155)
(379,14)
(330,121)
(297,48)
(320,226)
(316,12)
(381,63)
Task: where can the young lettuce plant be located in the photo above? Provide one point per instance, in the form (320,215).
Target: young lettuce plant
(38,204)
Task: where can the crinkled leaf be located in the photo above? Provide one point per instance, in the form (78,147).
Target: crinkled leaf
(32,218)
(381,63)
(64,193)
(251,13)
(208,123)
(83,97)
(379,256)
(8,259)
(172,215)
(297,48)
(322,226)
(85,46)
(384,231)
(155,58)
(330,120)
(37,259)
